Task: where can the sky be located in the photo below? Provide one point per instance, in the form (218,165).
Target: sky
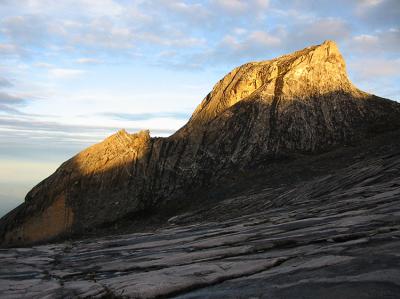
(73,72)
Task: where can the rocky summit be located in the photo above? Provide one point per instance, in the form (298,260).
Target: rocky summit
(297,104)
(284,183)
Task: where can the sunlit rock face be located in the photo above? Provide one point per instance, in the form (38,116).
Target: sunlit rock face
(295,104)
(316,70)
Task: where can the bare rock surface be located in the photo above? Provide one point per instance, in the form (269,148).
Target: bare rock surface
(301,103)
(335,234)
(285,183)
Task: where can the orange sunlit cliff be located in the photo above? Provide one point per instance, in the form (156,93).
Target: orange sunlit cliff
(301,103)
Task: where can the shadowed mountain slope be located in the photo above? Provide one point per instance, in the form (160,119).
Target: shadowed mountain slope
(320,226)
(297,104)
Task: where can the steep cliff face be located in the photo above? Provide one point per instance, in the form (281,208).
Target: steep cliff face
(314,70)
(297,103)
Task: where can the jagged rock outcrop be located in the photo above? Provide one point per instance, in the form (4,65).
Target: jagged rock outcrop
(295,104)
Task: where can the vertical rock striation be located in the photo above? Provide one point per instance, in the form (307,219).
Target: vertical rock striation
(297,103)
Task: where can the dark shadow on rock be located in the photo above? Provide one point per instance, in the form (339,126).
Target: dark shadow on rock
(133,176)
(261,112)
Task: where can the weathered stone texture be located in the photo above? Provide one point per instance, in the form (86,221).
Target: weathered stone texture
(295,104)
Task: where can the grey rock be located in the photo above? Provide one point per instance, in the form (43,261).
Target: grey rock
(331,236)
(301,103)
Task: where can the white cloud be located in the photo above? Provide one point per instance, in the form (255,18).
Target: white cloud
(61,73)
(97,7)
(374,13)
(327,28)
(378,76)
(10,102)
(88,7)
(5,82)
(239,48)
(387,41)
(43,65)
(178,41)
(263,38)
(183,34)
(262,3)
(98,33)
(370,3)
(239,31)
(8,49)
(167,54)
(231,5)
(366,38)
(9,99)
(195,10)
(241,6)
(27,29)
(374,68)
(88,60)
(251,42)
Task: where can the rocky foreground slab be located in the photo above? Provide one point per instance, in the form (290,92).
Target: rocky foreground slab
(335,235)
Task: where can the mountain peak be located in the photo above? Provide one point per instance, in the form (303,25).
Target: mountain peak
(295,104)
(314,70)
(331,44)
(322,51)
(327,52)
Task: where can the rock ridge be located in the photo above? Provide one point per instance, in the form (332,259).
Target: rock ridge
(294,76)
(301,103)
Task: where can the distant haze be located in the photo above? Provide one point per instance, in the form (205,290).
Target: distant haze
(17,177)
